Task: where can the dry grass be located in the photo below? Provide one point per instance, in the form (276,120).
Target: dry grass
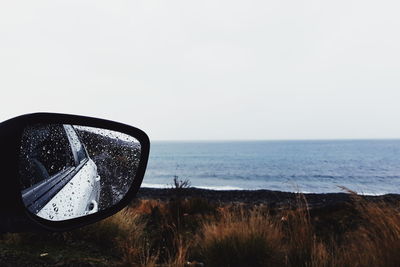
(173,233)
(133,244)
(242,238)
(377,240)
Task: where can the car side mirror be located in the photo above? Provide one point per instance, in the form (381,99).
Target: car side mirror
(63,171)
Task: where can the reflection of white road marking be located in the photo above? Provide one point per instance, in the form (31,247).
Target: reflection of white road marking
(107,133)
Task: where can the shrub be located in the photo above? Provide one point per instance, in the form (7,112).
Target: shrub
(241,239)
(376,242)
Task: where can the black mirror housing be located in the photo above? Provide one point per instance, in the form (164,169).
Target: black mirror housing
(14,216)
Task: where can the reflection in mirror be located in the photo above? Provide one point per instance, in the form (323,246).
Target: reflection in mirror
(69,171)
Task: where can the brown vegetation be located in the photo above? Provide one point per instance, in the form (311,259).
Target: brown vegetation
(195,232)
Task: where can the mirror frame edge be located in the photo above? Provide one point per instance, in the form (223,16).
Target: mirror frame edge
(20,219)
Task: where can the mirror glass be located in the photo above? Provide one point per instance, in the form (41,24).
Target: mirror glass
(69,171)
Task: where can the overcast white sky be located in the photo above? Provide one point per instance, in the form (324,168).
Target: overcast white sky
(199,70)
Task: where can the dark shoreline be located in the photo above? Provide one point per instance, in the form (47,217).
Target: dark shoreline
(269,197)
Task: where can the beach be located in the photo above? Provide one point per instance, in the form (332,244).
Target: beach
(255,197)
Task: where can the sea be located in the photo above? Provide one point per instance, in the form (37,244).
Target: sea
(370,167)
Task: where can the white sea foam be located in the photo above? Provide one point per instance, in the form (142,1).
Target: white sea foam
(148,185)
(163,186)
(225,187)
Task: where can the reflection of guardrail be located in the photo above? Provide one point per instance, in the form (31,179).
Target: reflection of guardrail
(38,195)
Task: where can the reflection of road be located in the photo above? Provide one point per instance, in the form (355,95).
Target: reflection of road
(104,168)
(116,178)
(116,161)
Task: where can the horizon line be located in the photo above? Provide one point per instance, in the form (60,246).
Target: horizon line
(273,140)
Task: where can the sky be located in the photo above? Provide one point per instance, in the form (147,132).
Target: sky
(208,70)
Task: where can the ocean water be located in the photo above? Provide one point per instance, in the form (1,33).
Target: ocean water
(365,166)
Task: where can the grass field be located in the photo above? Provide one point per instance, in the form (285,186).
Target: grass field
(186,231)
